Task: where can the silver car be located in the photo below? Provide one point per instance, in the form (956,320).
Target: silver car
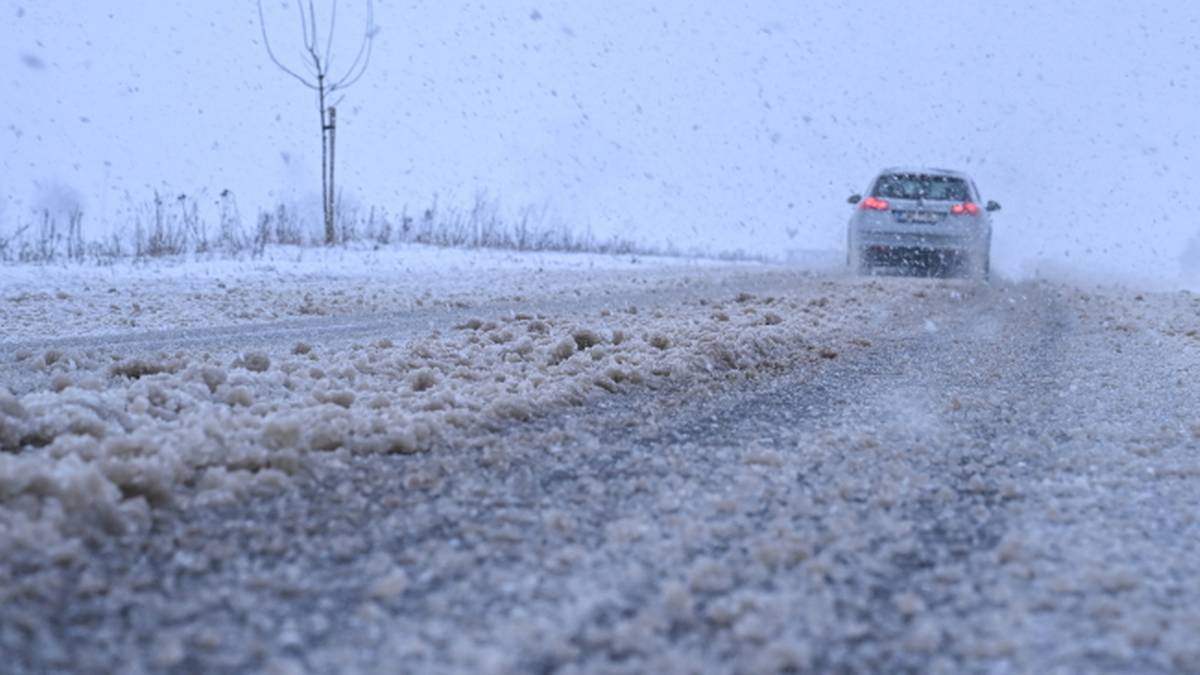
(921,221)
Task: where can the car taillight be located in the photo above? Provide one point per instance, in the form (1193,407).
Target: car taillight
(965,208)
(875,204)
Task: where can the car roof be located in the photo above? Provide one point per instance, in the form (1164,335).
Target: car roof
(925,170)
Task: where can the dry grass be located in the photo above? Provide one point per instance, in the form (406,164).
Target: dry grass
(208,226)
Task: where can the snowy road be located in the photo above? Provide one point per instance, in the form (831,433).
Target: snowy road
(343,331)
(823,474)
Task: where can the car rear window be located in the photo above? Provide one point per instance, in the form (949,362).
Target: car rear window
(921,186)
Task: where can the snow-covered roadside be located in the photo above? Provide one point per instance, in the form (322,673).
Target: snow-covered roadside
(49,301)
(105,442)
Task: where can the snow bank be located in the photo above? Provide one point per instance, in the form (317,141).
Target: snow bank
(108,442)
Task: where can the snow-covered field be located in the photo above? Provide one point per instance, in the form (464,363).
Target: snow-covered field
(41,302)
(468,462)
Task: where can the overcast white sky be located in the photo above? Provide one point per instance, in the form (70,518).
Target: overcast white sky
(701,121)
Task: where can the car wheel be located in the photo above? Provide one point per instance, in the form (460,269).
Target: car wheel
(858,266)
(854,260)
(978,267)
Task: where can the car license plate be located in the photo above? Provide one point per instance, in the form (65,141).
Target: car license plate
(925,217)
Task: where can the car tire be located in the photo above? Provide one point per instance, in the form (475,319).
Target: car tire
(978,267)
(854,260)
(857,266)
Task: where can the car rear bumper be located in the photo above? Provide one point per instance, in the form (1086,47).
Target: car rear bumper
(925,240)
(916,257)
